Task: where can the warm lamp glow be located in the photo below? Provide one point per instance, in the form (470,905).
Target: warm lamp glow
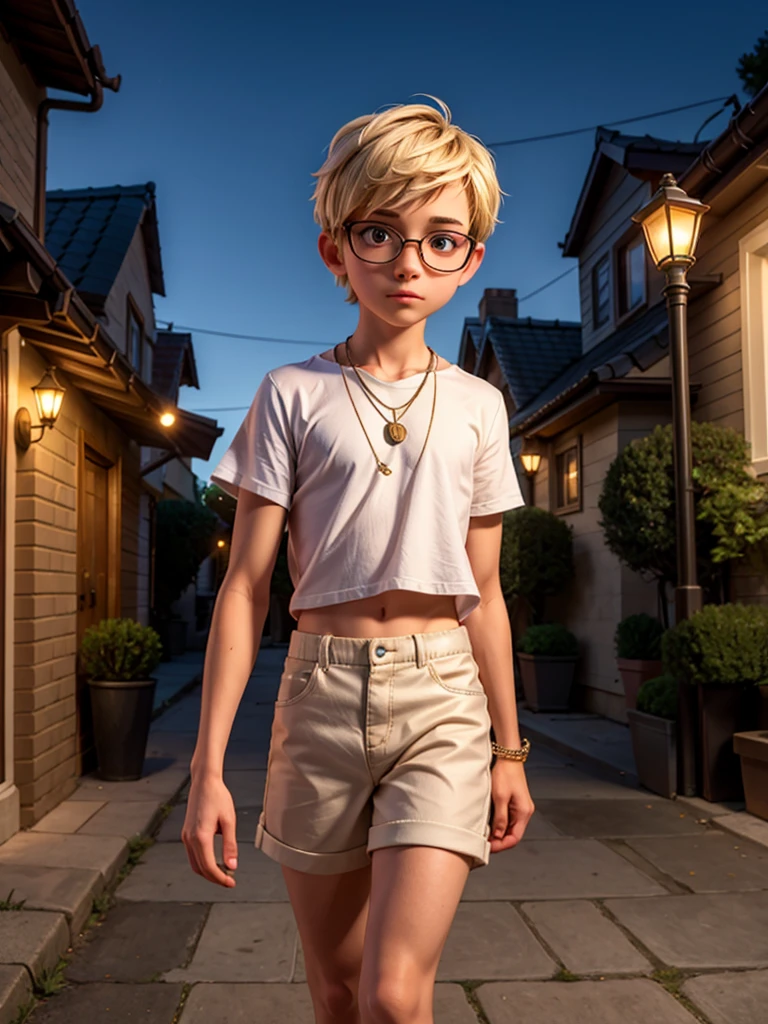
(221,543)
(48,395)
(531,462)
(168,419)
(671,222)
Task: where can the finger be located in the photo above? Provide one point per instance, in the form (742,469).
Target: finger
(207,859)
(499,826)
(229,842)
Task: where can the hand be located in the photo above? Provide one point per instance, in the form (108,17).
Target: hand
(512,804)
(210,809)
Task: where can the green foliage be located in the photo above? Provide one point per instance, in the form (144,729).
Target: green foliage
(637,503)
(659,697)
(720,644)
(184,533)
(639,636)
(220,503)
(752,67)
(120,649)
(536,556)
(550,639)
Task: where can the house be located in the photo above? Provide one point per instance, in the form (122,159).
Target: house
(614,384)
(78,271)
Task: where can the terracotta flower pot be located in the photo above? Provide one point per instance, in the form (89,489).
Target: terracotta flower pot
(634,672)
(547,680)
(654,744)
(752,748)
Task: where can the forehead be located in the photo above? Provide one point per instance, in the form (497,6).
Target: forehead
(448,204)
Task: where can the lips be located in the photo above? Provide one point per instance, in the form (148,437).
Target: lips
(404,295)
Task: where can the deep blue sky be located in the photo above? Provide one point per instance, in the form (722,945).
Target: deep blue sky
(230,107)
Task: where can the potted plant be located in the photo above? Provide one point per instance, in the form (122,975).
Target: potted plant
(723,651)
(119,657)
(653,728)
(638,652)
(547,655)
(752,749)
(536,559)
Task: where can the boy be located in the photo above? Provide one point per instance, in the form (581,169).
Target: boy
(377,802)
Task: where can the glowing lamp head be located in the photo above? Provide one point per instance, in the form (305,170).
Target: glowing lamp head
(671,222)
(48,395)
(221,543)
(531,462)
(167,419)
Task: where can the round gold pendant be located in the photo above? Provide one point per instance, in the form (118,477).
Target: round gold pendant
(397,432)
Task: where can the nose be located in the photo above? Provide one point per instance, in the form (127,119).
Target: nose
(408,262)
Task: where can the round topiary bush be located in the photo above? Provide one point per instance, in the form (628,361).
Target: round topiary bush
(639,637)
(550,640)
(120,650)
(536,556)
(720,644)
(659,697)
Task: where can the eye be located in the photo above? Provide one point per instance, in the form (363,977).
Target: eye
(444,243)
(375,234)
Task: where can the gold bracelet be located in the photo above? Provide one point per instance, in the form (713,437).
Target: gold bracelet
(509,754)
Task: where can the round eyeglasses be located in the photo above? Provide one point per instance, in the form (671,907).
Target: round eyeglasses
(447,251)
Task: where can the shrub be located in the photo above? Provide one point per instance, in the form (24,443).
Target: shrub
(720,644)
(120,649)
(551,639)
(536,556)
(184,533)
(639,636)
(659,697)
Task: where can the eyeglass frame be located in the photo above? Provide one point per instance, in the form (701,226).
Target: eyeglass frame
(349,224)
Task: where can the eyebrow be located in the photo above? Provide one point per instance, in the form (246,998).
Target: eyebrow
(432,220)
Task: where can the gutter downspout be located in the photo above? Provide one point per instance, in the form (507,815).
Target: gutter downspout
(100,80)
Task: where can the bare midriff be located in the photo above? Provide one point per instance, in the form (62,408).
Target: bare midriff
(393,613)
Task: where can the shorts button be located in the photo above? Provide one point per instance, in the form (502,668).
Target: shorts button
(381,651)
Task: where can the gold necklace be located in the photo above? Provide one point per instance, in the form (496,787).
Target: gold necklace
(382,467)
(394,431)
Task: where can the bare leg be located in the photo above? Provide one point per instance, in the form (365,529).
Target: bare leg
(415,891)
(331,913)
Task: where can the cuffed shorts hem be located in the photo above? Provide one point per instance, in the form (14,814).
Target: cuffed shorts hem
(305,860)
(417,832)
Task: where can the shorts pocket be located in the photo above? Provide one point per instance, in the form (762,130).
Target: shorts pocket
(457,673)
(297,680)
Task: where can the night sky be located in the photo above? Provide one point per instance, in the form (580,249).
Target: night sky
(229,108)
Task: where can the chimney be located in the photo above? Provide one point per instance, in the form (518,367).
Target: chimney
(498,302)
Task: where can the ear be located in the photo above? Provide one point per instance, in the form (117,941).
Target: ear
(474,264)
(330,255)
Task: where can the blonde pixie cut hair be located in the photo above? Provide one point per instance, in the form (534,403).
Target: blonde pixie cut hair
(407,152)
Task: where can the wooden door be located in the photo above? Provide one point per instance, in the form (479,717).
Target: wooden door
(95,564)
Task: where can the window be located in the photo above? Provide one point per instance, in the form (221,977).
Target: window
(135,339)
(601,291)
(631,275)
(753,279)
(567,480)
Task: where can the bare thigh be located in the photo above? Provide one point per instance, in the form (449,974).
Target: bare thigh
(331,913)
(415,892)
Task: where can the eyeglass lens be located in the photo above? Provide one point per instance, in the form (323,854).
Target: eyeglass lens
(378,243)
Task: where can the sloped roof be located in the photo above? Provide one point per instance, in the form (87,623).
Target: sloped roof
(173,364)
(89,230)
(644,156)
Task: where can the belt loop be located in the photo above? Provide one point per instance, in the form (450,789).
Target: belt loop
(421,654)
(322,654)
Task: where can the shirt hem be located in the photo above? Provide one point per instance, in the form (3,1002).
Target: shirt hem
(395,583)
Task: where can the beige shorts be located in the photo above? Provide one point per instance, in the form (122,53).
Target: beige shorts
(381,741)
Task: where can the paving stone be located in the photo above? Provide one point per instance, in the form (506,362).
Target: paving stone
(730,998)
(139,940)
(540,828)
(125,818)
(245,1004)
(711,862)
(489,941)
(70,891)
(68,816)
(161,785)
(561,869)
(592,818)
(245,824)
(246,787)
(163,742)
(164,875)
(714,931)
(584,939)
(15,990)
(34,939)
(105,854)
(746,825)
(111,1001)
(570,784)
(243,942)
(631,1001)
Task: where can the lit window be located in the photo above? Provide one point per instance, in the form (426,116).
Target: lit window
(601,291)
(568,479)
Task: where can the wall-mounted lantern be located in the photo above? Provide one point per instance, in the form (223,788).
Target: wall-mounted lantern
(530,457)
(48,396)
(531,462)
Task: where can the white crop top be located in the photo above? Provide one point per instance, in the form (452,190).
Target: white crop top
(353,531)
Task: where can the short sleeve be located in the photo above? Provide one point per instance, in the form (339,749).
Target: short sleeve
(495,487)
(261,457)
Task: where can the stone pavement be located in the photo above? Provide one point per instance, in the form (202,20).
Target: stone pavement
(617,905)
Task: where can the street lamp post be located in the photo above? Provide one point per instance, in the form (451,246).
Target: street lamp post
(671,222)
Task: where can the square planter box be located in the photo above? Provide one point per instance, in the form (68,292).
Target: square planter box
(654,744)
(547,680)
(634,672)
(724,710)
(752,748)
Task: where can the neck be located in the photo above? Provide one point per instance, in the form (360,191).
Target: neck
(392,350)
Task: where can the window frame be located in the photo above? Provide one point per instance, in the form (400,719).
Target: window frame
(559,450)
(628,241)
(134,315)
(605,260)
